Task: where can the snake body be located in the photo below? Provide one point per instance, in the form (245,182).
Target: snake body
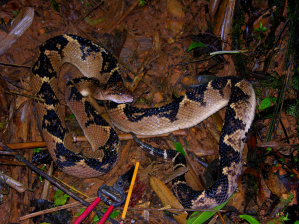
(197,104)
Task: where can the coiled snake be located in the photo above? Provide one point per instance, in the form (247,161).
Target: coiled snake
(197,104)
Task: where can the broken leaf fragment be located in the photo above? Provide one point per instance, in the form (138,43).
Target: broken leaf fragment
(167,198)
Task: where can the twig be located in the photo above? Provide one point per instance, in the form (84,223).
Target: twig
(228,52)
(278,108)
(221,218)
(191,62)
(15,65)
(26,95)
(284,131)
(46,211)
(28,145)
(276,145)
(11,163)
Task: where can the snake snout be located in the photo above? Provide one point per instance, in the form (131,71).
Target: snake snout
(120,97)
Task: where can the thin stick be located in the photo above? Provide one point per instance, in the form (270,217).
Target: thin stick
(228,52)
(26,95)
(29,145)
(46,211)
(15,65)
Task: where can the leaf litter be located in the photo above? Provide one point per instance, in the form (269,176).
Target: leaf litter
(156,40)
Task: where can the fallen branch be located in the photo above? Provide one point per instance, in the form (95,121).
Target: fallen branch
(30,145)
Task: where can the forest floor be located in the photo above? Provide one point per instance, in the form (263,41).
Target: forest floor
(163,48)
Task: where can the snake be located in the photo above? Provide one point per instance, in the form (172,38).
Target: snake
(101,78)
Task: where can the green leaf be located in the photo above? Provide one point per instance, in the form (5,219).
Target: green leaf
(293,109)
(3,125)
(80,212)
(267,102)
(249,219)
(202,217)
(296,82)
(96,219)
(286,217)
(15,12)
(55,5)
(262,28)
(37,150)
(93,22)
(179,147)
(114,214)
(71,117)
(60,198)
(142,2)
(196,45)
(297,222)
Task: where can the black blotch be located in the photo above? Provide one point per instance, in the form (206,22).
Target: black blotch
(110,154)
(83,79)
(65,157)
(180,159)
(43,67)
(228,155)
(111,105)
(219,83)
(168,111)
(75,95)
(238,95)
(52,123)
(114,79)
(86,46)
(231,124)
(57,43)
(46,92)
(109,62)
(184,192)
(77,80)
(197,94)
(93,116)
(220,197)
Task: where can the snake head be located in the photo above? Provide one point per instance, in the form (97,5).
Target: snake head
(117,95)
